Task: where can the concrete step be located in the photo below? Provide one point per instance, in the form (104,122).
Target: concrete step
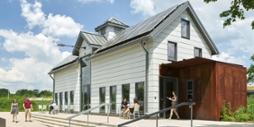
(63,122)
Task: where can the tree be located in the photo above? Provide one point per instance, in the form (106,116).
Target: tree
(251,71)
(4,92)
(236,11)
(45,93)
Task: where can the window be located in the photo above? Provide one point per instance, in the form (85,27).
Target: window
(61,98)
(71,97)
(139,90)
(66,98)
(126,92)
(197,52)
(56,98)
(190,90)
(185,29)
(102,98)
(113,99)
(172,51)
(86,92)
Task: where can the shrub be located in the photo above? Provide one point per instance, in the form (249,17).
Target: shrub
(241,114)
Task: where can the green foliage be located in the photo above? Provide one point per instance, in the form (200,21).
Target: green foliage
(3,92)
(226,113)
(250,71)
(5,104)
(240,115)
(33,93)
(236,11)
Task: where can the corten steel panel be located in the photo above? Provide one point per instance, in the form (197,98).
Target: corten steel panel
(214,84)
(232,85)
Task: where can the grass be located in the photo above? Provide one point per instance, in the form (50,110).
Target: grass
(6,103)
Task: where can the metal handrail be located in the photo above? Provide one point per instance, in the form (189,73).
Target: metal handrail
(190,104)
(88,111)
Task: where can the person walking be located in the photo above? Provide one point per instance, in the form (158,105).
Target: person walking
(27,105)
(14,110)
(173,105)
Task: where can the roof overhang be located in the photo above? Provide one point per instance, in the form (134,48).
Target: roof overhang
(63,66)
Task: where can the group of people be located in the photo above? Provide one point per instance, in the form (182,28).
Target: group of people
(128,109)
(27,105)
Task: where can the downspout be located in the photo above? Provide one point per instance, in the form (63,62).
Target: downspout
(53,98)
(142,44)
(80,83)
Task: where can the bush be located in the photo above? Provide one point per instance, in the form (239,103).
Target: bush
(240,115)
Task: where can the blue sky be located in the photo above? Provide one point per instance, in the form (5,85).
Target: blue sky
(30,29)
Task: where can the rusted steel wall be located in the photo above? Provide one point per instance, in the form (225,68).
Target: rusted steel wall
(214,84)
(204,91)
(231,85)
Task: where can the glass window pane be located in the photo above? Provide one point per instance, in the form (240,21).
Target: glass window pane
(197,52)
(139,90)
(126,92)
(56,98)
(171,51)
(71,97)
(66,98)
(102,98)
(113,99)
(189,90)
(185,28)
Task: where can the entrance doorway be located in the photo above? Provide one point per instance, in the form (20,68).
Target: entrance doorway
(167,85)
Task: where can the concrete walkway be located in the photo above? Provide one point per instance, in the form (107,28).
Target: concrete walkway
(21,120)
(152,123)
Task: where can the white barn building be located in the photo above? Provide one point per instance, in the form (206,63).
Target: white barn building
(123,62)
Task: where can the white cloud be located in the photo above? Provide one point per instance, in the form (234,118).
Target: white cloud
(224,57)
(146,7)
(51,25)
(32,13)
(40,50)
(95,1)
(41,55)
(61,25)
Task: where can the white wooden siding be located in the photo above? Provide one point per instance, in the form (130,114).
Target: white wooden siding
(185,50)
(67,79)
(122,66)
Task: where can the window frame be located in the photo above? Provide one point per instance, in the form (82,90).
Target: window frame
(175,48)
(200,54)
(188,28)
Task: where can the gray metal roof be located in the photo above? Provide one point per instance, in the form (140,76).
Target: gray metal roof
(66,61)
(113,22)
(93,38)
(141,28)
(148,25)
